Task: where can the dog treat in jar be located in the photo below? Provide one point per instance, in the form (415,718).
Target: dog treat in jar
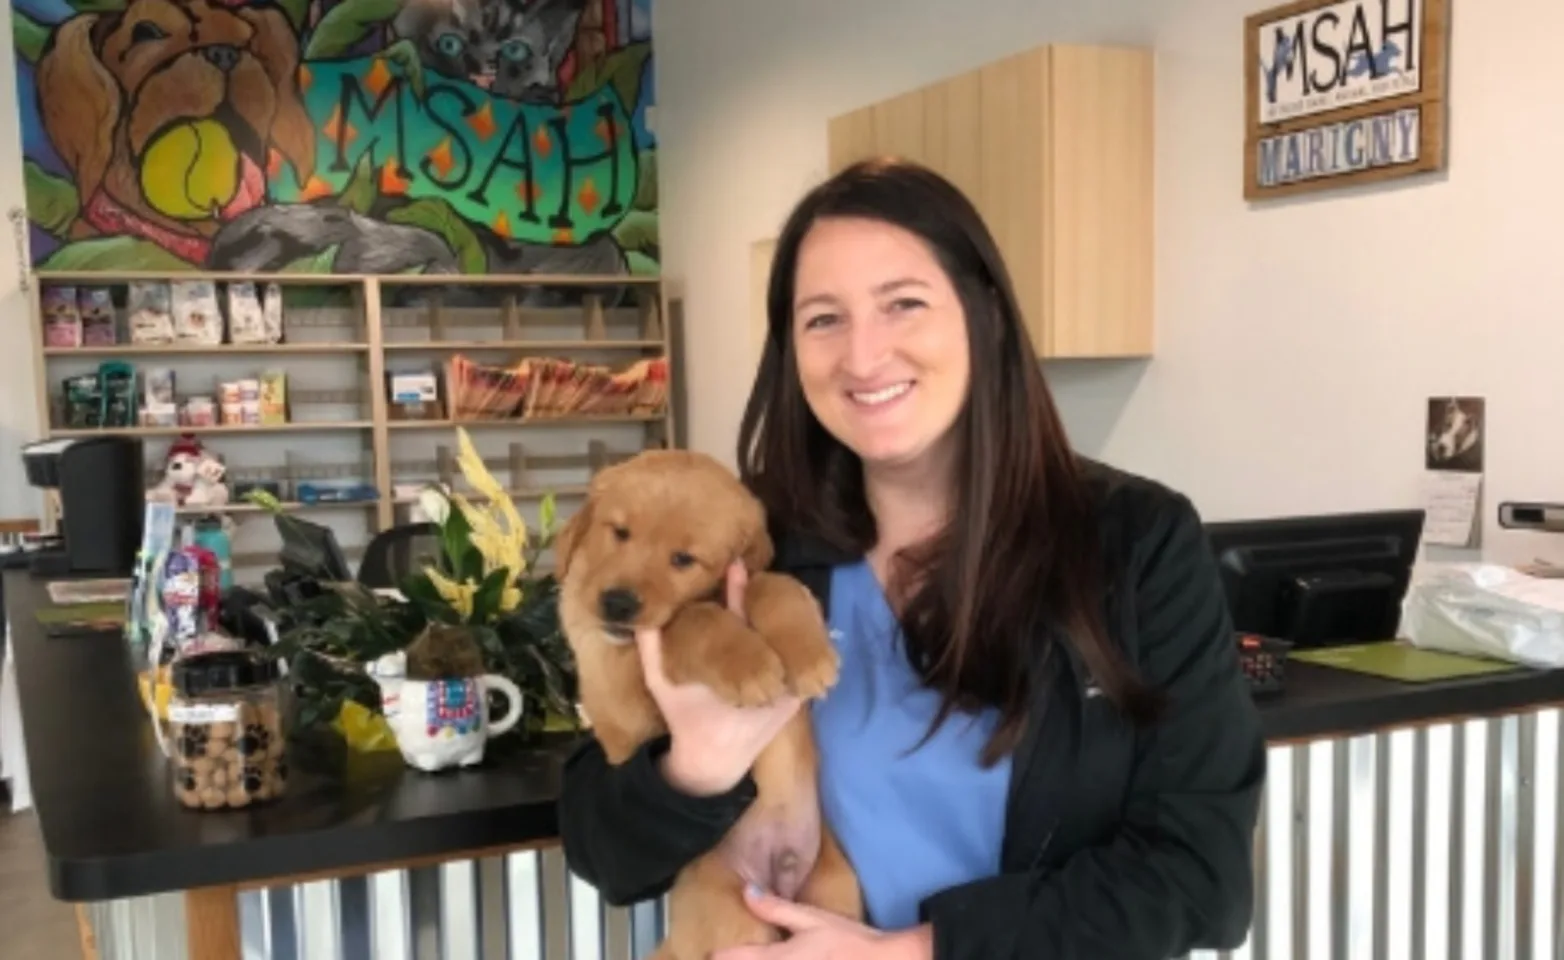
(228,744)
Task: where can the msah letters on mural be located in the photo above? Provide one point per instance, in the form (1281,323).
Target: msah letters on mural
(344,136)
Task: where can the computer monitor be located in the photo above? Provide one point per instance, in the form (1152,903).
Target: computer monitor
(1318,581)
(311,549)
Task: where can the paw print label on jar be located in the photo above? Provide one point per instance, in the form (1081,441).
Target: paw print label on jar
(225,725)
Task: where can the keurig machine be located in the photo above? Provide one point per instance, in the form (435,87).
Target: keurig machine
(100,488)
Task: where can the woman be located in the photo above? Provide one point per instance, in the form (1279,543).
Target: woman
(1041,744)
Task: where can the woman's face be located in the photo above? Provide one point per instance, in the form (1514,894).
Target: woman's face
(881,340)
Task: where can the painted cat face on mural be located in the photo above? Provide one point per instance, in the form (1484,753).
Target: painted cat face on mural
(511,48)
(166,113)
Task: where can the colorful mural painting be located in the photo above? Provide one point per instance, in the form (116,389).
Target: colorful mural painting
(346,136)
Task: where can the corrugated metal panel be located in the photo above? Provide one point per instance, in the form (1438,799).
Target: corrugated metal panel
(1433,843)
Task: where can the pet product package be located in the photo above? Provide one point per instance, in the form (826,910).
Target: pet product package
(61,317)
(83,402)
(158,408)
(118,380)
(246,319)
(151,316)
(197,316)
(96,305)
(271,311)
(274,398)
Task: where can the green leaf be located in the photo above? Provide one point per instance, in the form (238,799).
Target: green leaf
(361,190)
(622,68)
(29,36)
(296,11)
(646,181)
(641,265)
(348,24)
(115,253)
(637,233)
(405,55)
(486,602)
(97,6)
(322,261)
(547,513)
(52,202)
(436,215)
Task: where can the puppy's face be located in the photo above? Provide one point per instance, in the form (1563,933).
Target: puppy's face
(656,532)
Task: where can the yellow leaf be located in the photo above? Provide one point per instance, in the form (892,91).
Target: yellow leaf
(458,595)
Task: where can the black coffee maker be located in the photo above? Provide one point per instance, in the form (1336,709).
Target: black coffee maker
(100,488)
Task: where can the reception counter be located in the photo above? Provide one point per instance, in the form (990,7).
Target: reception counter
(1398,819)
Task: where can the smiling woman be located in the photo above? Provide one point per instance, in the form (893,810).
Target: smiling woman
(1041,743)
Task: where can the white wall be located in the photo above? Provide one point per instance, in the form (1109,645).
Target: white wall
(1452,285)
(1399,293)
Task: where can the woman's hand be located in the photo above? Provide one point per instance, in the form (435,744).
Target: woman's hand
(712,744)
(819,935)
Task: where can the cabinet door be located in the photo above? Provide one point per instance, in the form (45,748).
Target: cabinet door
(1100,227)
(952,137)
(1013,99)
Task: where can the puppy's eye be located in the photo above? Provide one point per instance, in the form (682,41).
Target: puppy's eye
(681,560)
(621,533)
(146,31)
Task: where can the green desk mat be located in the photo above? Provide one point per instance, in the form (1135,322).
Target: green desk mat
(112,612)
(1400,660)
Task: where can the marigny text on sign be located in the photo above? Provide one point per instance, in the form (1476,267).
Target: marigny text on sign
(1333,149)
(1337,56)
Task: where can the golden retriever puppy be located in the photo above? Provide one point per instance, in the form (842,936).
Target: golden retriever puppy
(650,547)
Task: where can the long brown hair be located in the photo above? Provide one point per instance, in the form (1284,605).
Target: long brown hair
(1022,551)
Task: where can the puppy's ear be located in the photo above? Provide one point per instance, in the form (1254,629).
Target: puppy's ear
(80,103)
(757,550)
(568,538)
(276,46)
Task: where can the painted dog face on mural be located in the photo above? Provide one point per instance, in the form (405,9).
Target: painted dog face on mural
(168,112)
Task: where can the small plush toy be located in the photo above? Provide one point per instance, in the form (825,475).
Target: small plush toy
(191,476)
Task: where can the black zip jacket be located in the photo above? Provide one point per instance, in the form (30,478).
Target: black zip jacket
(1118,844)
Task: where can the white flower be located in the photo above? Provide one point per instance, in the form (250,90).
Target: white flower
(434,506)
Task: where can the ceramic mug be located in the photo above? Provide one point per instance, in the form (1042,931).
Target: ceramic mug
(445,723)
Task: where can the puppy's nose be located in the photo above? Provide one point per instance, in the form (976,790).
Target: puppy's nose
(619,604)
(221,55)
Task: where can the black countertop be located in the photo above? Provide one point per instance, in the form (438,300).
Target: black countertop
(112,828)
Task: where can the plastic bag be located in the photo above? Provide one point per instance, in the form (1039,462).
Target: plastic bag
(1487,610)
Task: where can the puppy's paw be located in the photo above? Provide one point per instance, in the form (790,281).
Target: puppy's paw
(746,674)
(812,669)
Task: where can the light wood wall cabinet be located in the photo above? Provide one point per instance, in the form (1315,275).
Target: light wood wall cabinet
(1055,146)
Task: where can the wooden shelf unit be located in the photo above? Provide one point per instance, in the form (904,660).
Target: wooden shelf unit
(372,331)
(1055,147)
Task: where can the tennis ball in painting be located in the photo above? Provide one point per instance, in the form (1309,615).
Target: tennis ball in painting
(191,170)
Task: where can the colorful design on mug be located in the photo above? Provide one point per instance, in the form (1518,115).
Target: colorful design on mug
(453,707)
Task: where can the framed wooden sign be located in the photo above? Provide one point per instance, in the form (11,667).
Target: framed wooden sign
(1344,91)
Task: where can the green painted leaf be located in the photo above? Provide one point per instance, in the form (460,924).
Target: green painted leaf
(52,202)
(361,190)
(638,232)
(115,253)
(436,215)
(29,35)
(622,68)
(348,24)
(641,265)
(646,185)
(321,261)
(296,11)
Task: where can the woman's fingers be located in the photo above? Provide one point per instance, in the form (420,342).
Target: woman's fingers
(738,580)
(649,644)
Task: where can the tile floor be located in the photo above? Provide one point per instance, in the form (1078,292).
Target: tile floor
(37,927)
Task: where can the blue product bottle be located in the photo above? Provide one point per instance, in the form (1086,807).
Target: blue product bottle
(210,534)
